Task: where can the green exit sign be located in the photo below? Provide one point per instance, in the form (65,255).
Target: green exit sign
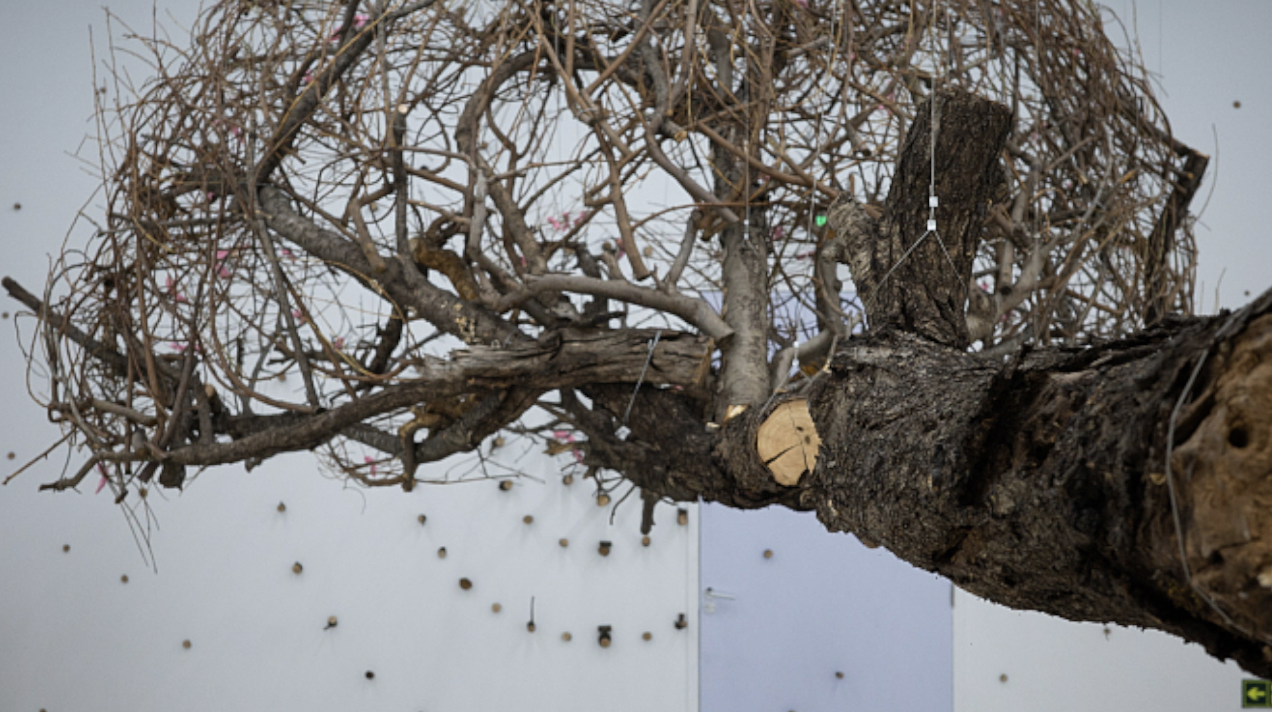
(1256,693)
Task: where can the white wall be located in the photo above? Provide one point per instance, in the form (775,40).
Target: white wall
(74,636)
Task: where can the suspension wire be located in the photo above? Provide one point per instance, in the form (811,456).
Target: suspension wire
(933,201)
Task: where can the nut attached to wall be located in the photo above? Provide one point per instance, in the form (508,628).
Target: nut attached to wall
(604,548)
(603,636)
(465,584)
(505,485)
(681,622)
(682,517)
(297,568)
(441,553)
(644,541)
(331,622)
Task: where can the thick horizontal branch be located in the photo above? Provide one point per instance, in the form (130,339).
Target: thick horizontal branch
(466,320)
(562,359)
(694,311)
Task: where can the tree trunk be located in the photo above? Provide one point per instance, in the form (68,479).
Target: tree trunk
(1125,482)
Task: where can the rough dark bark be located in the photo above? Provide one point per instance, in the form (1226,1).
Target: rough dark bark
(911,278)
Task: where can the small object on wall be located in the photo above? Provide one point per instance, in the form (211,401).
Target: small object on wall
(768,553)
(1002,677)
(465,584)
(12,454)
(370,675)
(567,480)
(297,568)
(645,541)
(839,675)
(530,624)
(186,644)
(564,542)
(566,636)
(66,548)
(528,519)
(604,635)
(421,519)
(681,622)
(505,485)
(646,636)
(123,579)
(282,507)
(604,548)
(682,516)
(18,206)
(441,553)
(495,607)
(498,442)
(602,499)
(331,622)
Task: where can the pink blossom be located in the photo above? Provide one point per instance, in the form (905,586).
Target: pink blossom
(221,270)
(102,482)
(370,461)
(578,455)
(778,233)
(309,77)
(176,346)
(563,435)
(172,290)
(808,255)
(556,224)
(579,220)
(338,343)
(288,254)
(360,21)
(298,314)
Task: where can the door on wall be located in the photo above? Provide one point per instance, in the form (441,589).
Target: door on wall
(796,618)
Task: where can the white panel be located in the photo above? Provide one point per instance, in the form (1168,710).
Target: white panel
(821,604)
(73,636)
(1053,665)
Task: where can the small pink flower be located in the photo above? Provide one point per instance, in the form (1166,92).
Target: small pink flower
(176,346)
(578,455)
(360,21)
(172,290)
(309,77)
(288,254)
(338,343)
(556,224)
(370,461)
(565,435)
(808,255)
(579,220)
(102,482)
(298,314)
(778,233)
